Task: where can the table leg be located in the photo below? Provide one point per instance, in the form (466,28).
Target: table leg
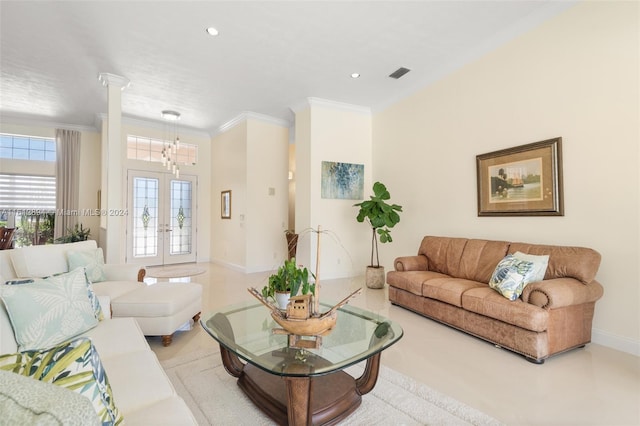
(298,400)
(367,381)
(231,362)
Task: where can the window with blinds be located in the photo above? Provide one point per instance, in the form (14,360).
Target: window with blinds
(27,193)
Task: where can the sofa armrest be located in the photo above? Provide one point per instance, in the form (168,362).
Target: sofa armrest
(560,292)
(411,263)
(123,272)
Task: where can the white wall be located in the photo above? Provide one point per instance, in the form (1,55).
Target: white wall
(576,76)
(330,131)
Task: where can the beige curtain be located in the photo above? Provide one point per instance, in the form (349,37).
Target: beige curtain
(67,180)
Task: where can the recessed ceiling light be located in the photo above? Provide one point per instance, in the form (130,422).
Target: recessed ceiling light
(212,31)
(355,75)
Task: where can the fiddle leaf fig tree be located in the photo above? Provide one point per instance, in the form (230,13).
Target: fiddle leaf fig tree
(381,216)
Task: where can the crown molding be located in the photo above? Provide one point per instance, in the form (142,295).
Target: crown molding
(248,115)
(150,124)
(326,103)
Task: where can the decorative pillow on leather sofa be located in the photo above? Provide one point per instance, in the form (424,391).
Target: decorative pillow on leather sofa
(49,311)
(74,365)
(24,401)
(540,263)
(91,260)
(511,276)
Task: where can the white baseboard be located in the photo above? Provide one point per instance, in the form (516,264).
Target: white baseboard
(229,265)
(613,341)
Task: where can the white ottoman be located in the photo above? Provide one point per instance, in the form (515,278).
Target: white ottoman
(161,308)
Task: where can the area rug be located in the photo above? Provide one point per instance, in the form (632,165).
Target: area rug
(215,399)
(174,271)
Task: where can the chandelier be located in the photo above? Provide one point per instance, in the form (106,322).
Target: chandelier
(171,147)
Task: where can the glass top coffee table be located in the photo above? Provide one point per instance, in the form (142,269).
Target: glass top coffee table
(301,386)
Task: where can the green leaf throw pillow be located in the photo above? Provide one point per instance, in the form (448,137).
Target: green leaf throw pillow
(91,260)
(511,276)
(74,365)
(49,311)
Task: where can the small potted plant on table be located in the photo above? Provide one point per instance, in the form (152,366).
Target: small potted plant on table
(288,281)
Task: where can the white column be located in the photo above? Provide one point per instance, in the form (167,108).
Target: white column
(112,169)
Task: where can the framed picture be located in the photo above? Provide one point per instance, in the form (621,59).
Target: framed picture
(342,180)
(522,181)
(225,204)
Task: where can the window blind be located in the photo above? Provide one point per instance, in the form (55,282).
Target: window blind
(27,193)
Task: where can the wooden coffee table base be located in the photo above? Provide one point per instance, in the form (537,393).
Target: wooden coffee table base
(316,400)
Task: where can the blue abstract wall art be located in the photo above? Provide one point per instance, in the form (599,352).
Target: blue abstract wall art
(342,180)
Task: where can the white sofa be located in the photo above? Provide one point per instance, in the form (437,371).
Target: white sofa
(159,309)
(142,391)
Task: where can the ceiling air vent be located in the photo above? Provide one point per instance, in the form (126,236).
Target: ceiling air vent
(399,72)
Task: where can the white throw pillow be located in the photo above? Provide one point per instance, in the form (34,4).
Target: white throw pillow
(540,263)
(48,312)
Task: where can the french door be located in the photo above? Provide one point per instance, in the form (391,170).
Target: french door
(161,226)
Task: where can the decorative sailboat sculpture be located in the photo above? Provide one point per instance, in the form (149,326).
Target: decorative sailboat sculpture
(302,316)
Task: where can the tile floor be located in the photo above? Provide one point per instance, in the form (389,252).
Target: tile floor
(591,386)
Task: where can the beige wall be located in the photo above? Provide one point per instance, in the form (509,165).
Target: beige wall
(229,172)
(576,76)
(330,131)
(250,158)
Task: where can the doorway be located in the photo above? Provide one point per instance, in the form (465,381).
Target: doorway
(161,226)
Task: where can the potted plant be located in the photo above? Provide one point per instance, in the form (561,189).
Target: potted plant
(381,216)
(288,281)
(78,233)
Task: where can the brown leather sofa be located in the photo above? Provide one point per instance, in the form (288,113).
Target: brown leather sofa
(448,281)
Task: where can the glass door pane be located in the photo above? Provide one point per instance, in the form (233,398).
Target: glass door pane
(181,223)
(145,219)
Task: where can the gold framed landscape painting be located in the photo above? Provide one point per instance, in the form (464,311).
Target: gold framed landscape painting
(525,180)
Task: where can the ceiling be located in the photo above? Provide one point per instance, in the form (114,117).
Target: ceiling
(269,56)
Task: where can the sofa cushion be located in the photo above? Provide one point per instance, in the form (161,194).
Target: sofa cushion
(45,260)
(48,312)
(74,365)
(411,281)
(443,254)
(479,259)
(115,289)
(137,380)
(448,289)
(24,401)
(157,300)
(511,276)
(486,301)
(129,337)
(564,262)
(91,260)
